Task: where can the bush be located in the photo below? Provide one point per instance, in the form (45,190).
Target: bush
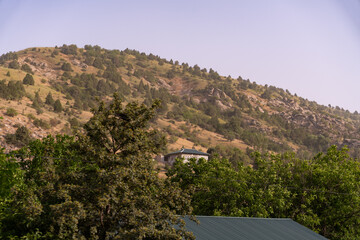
(39,110)
(11,112)
(13,90)
(66,67)
(14,64)
(68,49)
(49,99)
(74,122)
(54,122)
(27,68)
(20,138)
(8,56)
(57,106)
(41,123)
(31,116)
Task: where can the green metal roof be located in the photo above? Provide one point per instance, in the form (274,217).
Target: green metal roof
(188,151)
(238,228)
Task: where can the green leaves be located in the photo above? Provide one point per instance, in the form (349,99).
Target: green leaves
(322,193)
(100,185)
(123,130)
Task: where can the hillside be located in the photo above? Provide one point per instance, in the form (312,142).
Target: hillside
(199,108)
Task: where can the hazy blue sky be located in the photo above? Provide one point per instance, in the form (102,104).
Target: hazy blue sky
(310,47)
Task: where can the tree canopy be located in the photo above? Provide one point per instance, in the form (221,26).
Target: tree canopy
(322,193)
(28,79)
(101,184)
(57,106)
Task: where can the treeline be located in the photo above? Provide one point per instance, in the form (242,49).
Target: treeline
(237,126)
(220,105)
(321,193)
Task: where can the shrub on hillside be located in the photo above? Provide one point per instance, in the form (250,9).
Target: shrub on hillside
(69,49)
(41,123)
(66,67)
(49,99)
(20,138)
(54,122)
(13,90)
(8,56)
(28,80)
(57,106)
(27,68)
(11,112)
(14,64)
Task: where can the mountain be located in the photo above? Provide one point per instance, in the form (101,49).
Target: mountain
(51,90)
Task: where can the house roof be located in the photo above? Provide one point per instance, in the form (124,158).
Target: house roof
(238,228)
(187,151)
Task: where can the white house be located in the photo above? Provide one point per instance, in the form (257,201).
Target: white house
(186,154)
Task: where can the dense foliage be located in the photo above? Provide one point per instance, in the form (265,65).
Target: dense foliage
(13,90)
(28,79)
(20,138)
(321,193)
(100,185)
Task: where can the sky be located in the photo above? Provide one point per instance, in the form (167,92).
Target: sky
(310,47)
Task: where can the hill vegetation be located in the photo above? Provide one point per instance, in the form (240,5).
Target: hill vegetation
(53,90)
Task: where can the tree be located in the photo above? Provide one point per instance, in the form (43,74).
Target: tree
(69,49)
(28,79)
(49,99)
(37,102)
(100,185)
(27,68)
(13,90)
(141,88)
(98,63)
(20,138)
(9,176)
(78,104)
(14,64)
(220,190)
(66,67)
(57,106)
(8,56)
(104,87)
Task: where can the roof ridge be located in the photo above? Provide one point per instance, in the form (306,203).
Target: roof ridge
(188,150)
(253,218)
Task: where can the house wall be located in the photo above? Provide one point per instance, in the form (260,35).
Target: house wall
(171,159)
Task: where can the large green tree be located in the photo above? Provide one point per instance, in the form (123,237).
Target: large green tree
(100,185)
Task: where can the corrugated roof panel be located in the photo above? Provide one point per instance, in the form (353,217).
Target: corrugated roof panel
(236,228)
